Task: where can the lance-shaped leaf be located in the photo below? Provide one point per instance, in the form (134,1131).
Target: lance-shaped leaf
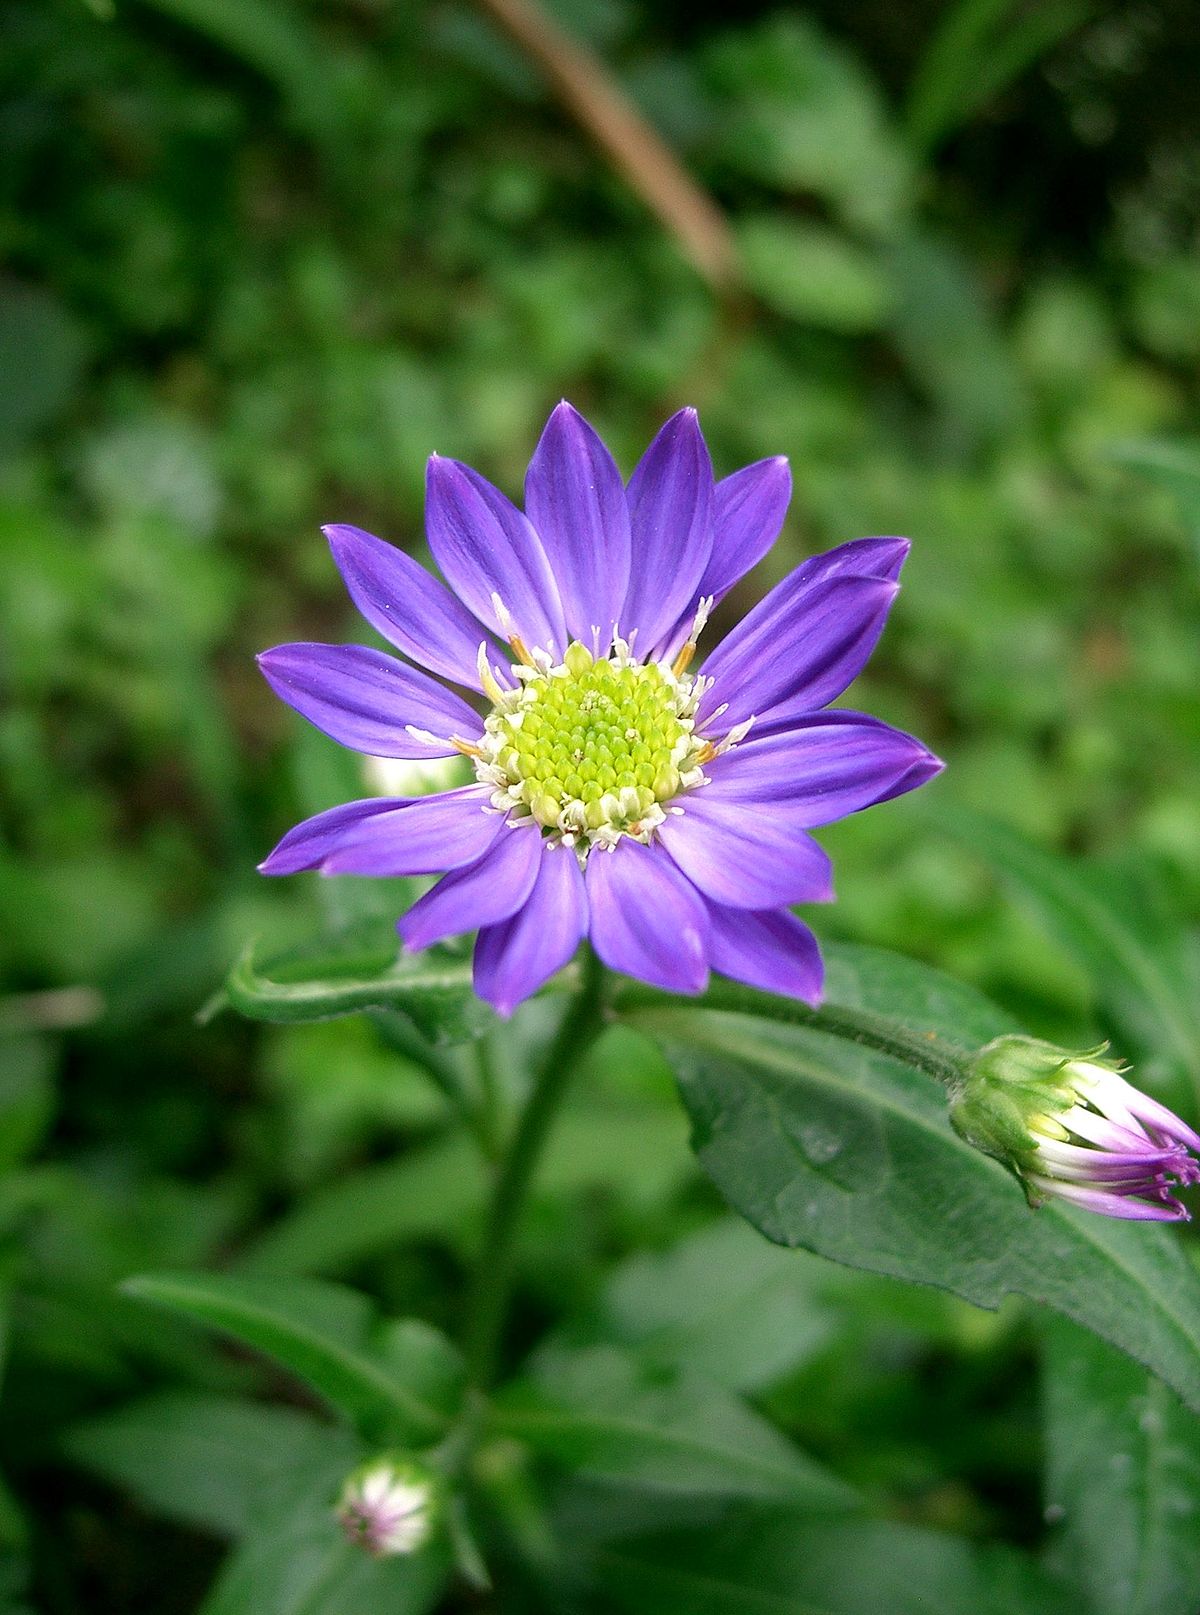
(387,1379)
(603,1414)
(823,1142)
(776,1564)
(204,1459)
(1122,1478)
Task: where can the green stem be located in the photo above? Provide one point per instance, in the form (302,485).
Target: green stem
(925,1051)
(493,1279)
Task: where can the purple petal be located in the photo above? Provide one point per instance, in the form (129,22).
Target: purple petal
(367,700)
(745,857)
(411,609)
(1075,1163)
(1100,1131)
(860,557)
(514,958)
(797,650)
(487,550)
(829,765)
(1108,1204)
(308,844)
(576,500)
(1150,1113)
(646,919)
(483,893)
(382,830)
(771,949)
(670,518)
(430,834)
(748,512)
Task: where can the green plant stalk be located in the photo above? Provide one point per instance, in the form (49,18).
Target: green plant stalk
(493,1278)
(925,1051)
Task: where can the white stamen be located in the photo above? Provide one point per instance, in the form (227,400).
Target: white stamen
(425,737)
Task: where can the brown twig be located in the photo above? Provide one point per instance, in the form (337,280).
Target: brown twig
(635,149)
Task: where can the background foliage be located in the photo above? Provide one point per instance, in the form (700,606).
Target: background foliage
(261,260)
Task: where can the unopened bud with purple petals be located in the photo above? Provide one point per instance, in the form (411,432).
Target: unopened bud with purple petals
(1071,1126)
(388,1506)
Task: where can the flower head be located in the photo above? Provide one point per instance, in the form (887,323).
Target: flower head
(386,1507)
(622,792)
(1071,1126)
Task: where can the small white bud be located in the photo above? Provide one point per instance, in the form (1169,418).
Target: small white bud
(387,1507)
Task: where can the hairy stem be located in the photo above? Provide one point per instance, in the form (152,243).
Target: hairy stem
(925,1051)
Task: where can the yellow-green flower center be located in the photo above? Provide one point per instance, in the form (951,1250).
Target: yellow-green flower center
(592,747)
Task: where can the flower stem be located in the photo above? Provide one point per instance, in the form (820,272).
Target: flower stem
(936,1056)
(493,1278)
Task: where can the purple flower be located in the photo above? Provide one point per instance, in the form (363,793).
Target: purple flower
(621,794)
(1072,1127)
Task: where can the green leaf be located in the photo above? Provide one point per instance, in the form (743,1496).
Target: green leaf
(688,1307)
(1123,1476)
(799,113)
(439,1191)
(978,49)
(1171,464)
(360,970)
(764,1564)
(325,1334)
(602,1413)
(27,1096)
(202,1459)
(950,340)
(277,42)
(813,274)
(1126,942)
(296,1562)
(823,1143)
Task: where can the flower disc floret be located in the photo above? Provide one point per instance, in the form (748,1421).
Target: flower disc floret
(593,748)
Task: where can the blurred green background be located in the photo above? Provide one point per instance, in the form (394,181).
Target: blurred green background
(261,259)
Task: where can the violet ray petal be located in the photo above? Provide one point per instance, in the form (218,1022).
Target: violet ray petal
(409,607)
(486,548)
(368,700)
(1151,1113)
(431,834)
(824,770)
(309,843)
(670,520)
(748,512)
(1115,1175)
(482,893)
(514,958)
(862,557)
(771,950)
(646,919)
(799,654)
(1079,1160)
(575,499)
(1100,1131)
(747,859)
(1107,1204)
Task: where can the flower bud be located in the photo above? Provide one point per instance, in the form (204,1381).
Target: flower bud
(388,1506)
(1071,1126)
